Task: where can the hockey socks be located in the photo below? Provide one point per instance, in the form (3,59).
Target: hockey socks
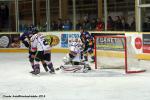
(50,66)
(36,69)
(45,66)
(85,58)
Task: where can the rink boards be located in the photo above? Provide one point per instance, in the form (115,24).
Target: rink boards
(66,37)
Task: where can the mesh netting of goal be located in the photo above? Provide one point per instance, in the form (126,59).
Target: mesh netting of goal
(116,52)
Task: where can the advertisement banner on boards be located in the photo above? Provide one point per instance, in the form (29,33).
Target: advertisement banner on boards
(67,39)
(113,44)
(73,37)
(146,43)
(55,38)
(136,42)
(9,40)
(64,40)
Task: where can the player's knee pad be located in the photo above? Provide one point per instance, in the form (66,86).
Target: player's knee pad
(36,66)
(47,62)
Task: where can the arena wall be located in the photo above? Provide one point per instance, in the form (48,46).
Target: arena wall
(9,41)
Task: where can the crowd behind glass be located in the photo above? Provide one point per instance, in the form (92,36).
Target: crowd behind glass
(119,23)
(114,23)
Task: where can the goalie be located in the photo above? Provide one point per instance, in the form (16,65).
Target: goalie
(72,61)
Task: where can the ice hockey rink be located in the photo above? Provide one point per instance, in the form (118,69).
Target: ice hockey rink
(16,82)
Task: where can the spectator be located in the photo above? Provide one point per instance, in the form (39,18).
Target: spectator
(53,26)
(40,28)
(59,24)
(86,24)
(110,23)
(125,25)
(100,25)
(78,25)
(118,24)
(93,24)
(132,26)
(4,15)
(67,25)
(146,25)
(15,42)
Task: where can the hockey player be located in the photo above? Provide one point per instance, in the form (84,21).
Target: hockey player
(25,38)
(42,48)
(88,44)
(73,61)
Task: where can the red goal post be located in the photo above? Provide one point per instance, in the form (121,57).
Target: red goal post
(116,52)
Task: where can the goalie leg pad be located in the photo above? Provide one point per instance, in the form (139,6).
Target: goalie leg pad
(73,68)
(87,66)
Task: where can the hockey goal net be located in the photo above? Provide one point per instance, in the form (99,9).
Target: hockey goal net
(116,52)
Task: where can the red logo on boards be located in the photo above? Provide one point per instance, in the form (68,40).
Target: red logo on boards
(138,43)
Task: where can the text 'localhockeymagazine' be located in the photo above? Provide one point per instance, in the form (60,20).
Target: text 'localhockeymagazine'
(24,96)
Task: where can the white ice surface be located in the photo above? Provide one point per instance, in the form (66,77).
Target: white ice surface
(15,79)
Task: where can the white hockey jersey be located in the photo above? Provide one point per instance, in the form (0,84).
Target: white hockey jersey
(39,43)
(76,48)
